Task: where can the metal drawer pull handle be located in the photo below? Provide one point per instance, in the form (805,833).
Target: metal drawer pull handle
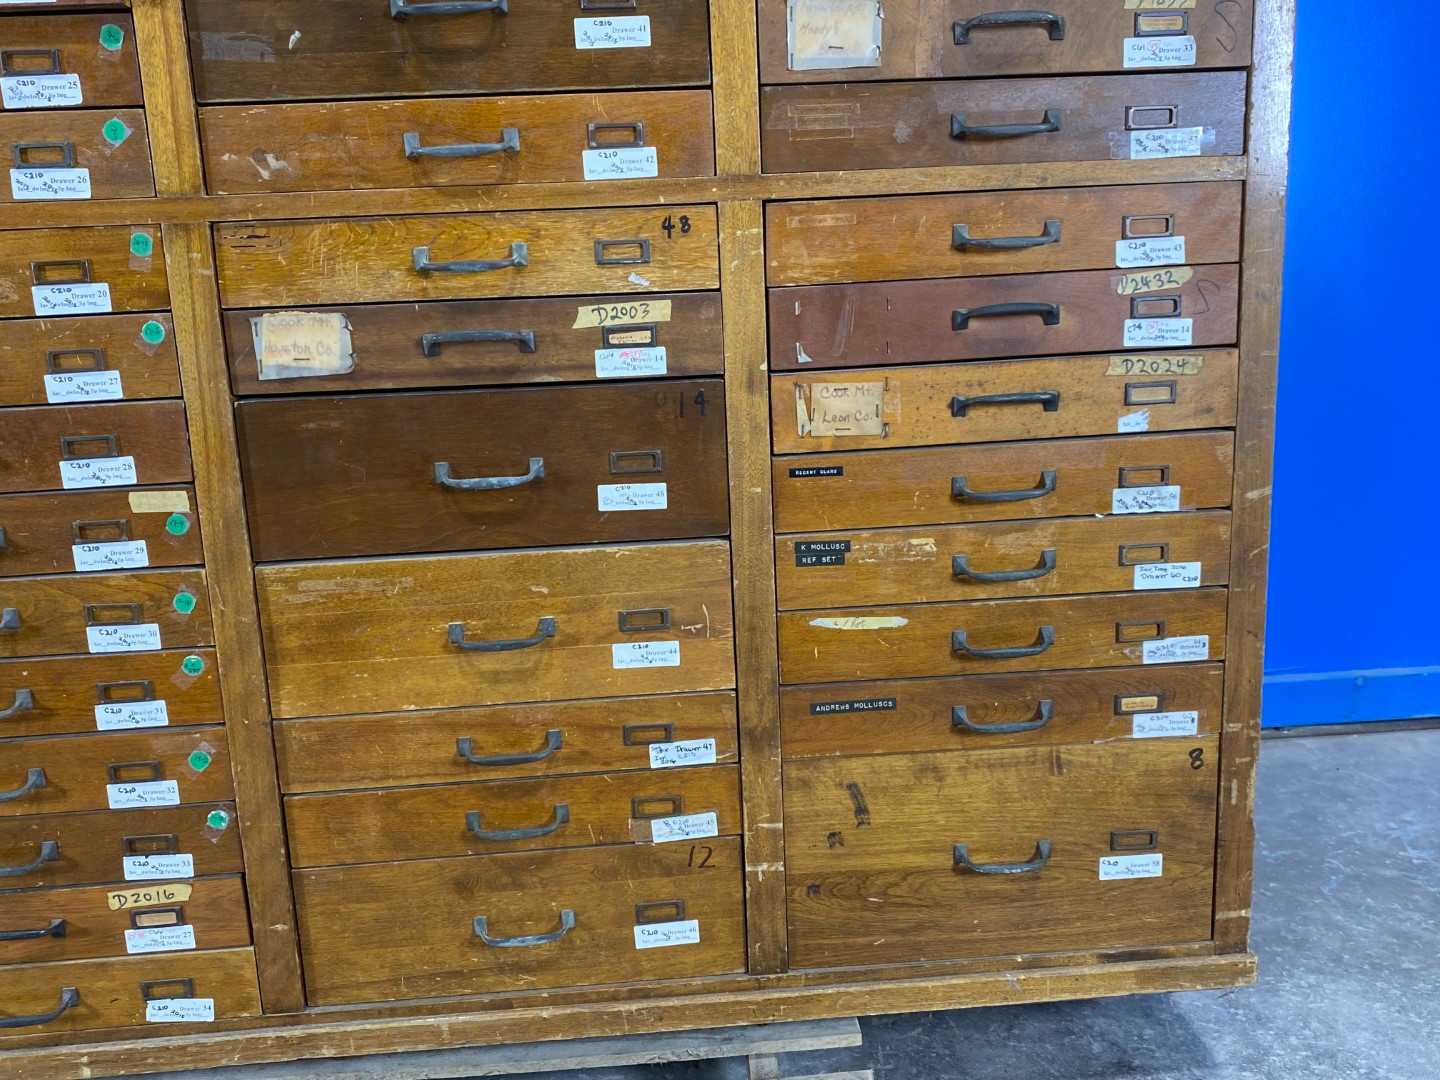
(545,629)
(958,490)
(509,140)
(69,998)
(1049,400)
(482,928)
(403,9)
(1037,861)
(20,155)
(14,61)
(1043,640)
(1049,313)
(2,537)
(960,568)
(49,852)
(488,483)
(554,741)
(56,929)
(430,343)
(559,815)
(519,256)
(1054,24)
(961,240)
(10,618)
(960,720)
(34,781)
(24,702)
(961,130)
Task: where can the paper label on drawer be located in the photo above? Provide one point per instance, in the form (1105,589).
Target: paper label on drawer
(631,496)
(1166,143)
(831,409)
(159,502)
(1155,365)
(302,344)
(157,867)
(621,311)
(1174,650)
(1168,279)
(629,363)
(114,555)
(40,91)
(97,472)
(70,386)
(829,34)
(180,1011)
(128,715)
(83,298)
(1161,50)
(663,830)
(1158,333)
(1120,867)
(1159,5)
(1167,575)
(129,637)
(149,793)
(1164,725)
(153,939)
(29,184)
(673,755)
(616,32)
(641,654)
(1135,421)
(620,162)
(1156,499)
(1150,251)
(148,896)
(661,935)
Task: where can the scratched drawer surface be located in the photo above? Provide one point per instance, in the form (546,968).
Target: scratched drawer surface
(49,448)
(999,852)
(280,50)
(439,631)
(84,155)
(986,712)
(67,61)
(487,923)
(94,358)
(981,636)
(454,256)
(441,142)
(495,742)
(1004,122)
(95,530)
(82,271)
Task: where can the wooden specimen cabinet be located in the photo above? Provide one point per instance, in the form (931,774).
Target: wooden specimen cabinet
(527,519)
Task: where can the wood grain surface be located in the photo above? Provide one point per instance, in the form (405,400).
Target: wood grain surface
(40,531)
(152,432)
(29,347)
(96,254)
(109,78)
(74,140)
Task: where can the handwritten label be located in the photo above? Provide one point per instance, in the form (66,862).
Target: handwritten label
(97,472)
(128,715)
(643,654)
(1154,499)
(661,935)
(1164,725)
(1155,365)
(616,32)
(159,502)
(860,622)
(1135,421)
(839,409)
(1159,5)
(621,311)
(114,555)
(31,184)
(131,637)
(629,363)
(1166,143)
(65,387)
(156,867)
(180,1011)
(153,939)
(665,830)
(85,298)
(631,496)
(1167,575)
(1124,867)
(149,793)
(148,896)
(40,91)
(1150,251)
(828,34)
(1158,333)
(302,344)
(620,162)
(821,552)
(1161,50)
(674,755)
(1175,650)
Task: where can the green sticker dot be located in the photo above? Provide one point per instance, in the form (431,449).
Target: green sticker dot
(200,761)
(112,36)
(185,602)
(177,524)
(115,131)
(153,332)
(192,664)
(217,819)
(142,245)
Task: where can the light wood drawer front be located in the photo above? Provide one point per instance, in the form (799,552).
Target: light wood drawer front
(373,636)
(141,348)
(124,991)
(623,250)
(398,346)
(913,236)
(106,612)
(1057,557)
(96,772)
(86,46)
(245,52)
(409,930)
(39,143)
(81,924)
(39,439)
(61,696)
(396,144)
(874,489)
(901,888)
(986,712)
(501,741)
(918,41)
(55,273)
(1108,630)
(394,824)
(84,849)
(388,474)
(39,532)
(930,124)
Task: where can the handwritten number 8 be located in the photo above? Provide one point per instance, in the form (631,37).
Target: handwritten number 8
(1197,758)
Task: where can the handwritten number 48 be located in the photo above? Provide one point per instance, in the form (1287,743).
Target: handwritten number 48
(669,225)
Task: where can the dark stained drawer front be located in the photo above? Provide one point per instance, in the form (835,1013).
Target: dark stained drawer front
(815,41)
(929,124)
(1109,845)
(440,142)
(96,530)
(502,741)
(484,469)
(279,50)
(986,712)
(97,357)
(944,404)
(64,156)
(875,489)
(455,256)
(118,692)
(487,342)
(94,446)
(67,61)
(583,910)
(55,273)
(507,815)
(1058,557)
(1109,630)
(426,633)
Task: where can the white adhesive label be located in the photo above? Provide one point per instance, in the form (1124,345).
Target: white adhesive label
(1121,867)
(130,637)
(40,91)
(1158,333)
(685,827)
(128,715)
(630,363)
(1167,575)
(673,755)
(149,793)
(1135,421)
(65,387)
(84,298)
(830,34)
(1166,142)
(116,555)
(153,939)
(1164,725)
(633,654)
(1156,499)
(1150,251)
(1175,650)
(620,163)
(157,867)
(631,496)
(1160,51)
(661,935)
(180,1011)
(616,32)
(98,472)
(32,184)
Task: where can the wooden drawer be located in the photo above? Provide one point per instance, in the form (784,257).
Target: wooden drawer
(129,443)
(46,149)
(79,995)
(76,694)
(1056,557)
(383,144)
(874,489)
(84,849)
(92,772)
(1109,630)
(943,404)
(564,737)
(40,534)
(81,271)
(902,888)
(620,337)
(139,348)
(409,930)
(636,249)
(507,815)
(381,474)
(47,47)
(931,124)
(82,924)
(385,627)
(985,712)
(919,39)
(245,52)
